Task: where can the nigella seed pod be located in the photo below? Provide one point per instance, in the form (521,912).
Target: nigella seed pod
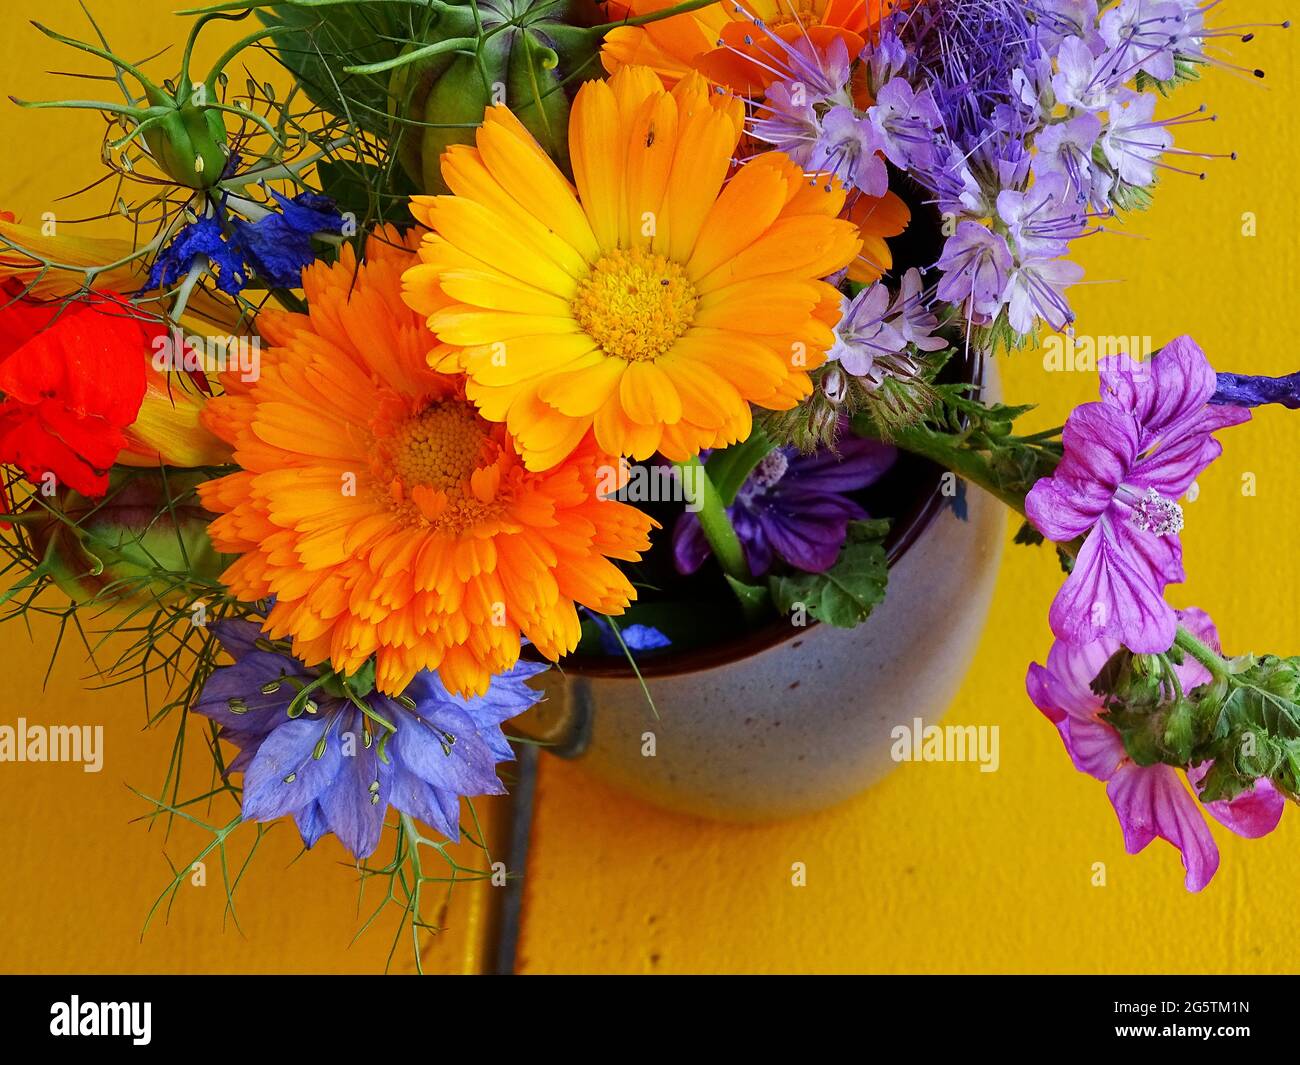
(189,145)
(437,97)
(179,121)
(145,543)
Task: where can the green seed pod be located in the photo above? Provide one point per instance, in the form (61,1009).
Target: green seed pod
(529,63)
(190,145)
(130,549)
(408,90)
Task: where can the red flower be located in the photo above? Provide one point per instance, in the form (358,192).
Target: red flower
(72,377)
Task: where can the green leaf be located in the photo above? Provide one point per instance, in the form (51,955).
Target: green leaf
(1028,535)
(753,596)
(846,593)
(323,40)
(730,467)
(355,187)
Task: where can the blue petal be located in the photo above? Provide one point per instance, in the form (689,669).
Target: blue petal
(288,752)
(309,212)
(244,681)
(238,636)
(278,246)
(436,807)
(353,811)
(644,638)
(274,250)
(311,824)
(507,696)
(467,766)
(200,237)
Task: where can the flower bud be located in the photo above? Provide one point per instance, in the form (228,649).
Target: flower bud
(189,145)
(523,63)
(835,385)
(145,543)
(168,429)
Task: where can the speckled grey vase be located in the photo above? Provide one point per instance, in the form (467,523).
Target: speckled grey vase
(791,720)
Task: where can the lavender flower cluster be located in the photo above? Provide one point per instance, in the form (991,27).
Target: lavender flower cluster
(1025,123)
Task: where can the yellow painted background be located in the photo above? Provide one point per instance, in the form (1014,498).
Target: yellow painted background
(939,867)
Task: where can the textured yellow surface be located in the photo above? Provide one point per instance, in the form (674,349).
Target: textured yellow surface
(939,868)
(78,877)
(942,868)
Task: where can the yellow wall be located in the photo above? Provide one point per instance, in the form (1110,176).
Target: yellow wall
(78,876)
(942,868)
(939,867)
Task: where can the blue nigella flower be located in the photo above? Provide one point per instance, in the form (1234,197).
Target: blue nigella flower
(275,248)
(336,767)
(636,637)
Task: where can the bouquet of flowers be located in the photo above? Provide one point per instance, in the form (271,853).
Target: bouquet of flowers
(514,329)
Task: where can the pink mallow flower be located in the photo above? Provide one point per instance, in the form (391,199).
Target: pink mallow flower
(1128,458)
(1152,800)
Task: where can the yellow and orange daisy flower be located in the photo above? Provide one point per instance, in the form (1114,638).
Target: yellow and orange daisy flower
(385,515)
(652,306)
(731,42)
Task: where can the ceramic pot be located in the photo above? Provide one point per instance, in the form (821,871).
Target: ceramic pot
(790,720)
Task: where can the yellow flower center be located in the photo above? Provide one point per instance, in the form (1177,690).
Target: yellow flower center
(439,447)
(635,304)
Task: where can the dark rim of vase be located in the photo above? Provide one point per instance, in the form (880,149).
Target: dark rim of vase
(903,533)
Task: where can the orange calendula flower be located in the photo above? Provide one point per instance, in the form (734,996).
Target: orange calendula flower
(876,219)
(655,304)
(731,42)
(385,515)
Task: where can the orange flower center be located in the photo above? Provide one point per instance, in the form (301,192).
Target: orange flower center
(635,304)
(440,466)
(439,447)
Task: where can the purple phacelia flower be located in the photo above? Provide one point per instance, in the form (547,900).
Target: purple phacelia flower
(1066,149)
(1041,220)
(863,335)
(1035,290)
(1133,142)
(1082,79)
(847,147)
(905,122)
(1143,35)
(976,264)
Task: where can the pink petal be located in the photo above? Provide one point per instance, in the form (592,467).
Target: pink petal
(1151,801)
(1159,557)
(1171,386)
(1108,595)
(1252,814)
(1174,464)
(1100,447)
(1062,691)
(1095,747)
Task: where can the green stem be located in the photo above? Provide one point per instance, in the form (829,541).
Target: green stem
(1203,653)
(721,535)
(655,16)
(968,465)
(714,521)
